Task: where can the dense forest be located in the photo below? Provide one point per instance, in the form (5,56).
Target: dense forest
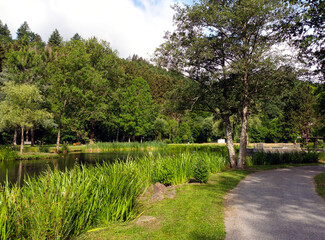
(81,91)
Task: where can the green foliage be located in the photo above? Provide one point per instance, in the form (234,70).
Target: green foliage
(64,148)
(44,148)
(201,172)
(8,153)
(137,109)
(268,158)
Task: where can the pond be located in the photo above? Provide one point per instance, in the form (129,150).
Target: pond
(16,171)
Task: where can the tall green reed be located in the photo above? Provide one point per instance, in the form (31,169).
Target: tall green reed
(271,158)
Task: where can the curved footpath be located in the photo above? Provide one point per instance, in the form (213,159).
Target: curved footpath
(276,204)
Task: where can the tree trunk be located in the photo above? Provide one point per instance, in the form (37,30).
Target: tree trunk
(27,135)
(243,137)
(20,172)
(22,140)
(92,133)
(230,144)
(14,143)
(243,133)
(32,137)
(58,140)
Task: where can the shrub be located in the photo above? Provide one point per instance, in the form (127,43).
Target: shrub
(8,153)
(201,172)
(44,149)
(64,148)
(311,157)
(268,158)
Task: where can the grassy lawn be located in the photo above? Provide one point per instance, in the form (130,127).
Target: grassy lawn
(320,184)
(195,213)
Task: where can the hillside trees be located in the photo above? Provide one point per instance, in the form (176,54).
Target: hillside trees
(226,40)
(74,92)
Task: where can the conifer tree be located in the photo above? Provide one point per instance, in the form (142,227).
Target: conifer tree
(55,38)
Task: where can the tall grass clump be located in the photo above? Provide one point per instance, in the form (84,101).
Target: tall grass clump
(271,158)
(8,153)
(60,205)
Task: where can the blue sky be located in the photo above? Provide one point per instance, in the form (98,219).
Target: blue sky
(131,26)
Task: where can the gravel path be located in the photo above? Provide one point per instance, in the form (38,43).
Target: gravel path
(276,204)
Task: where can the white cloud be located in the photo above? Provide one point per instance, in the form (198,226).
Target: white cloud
(131,26)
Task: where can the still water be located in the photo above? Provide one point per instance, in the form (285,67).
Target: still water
(16,171)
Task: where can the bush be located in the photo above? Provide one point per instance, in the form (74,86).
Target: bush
(64,148)
(201,172)
(8,153)
(167,141)
(44,149)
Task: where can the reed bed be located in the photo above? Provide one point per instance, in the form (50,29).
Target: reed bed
(268,158)
(61,205)
(111,146)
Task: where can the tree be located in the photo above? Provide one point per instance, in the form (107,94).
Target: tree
(308,30)
(21,107)
(160,128)
(227,42)
(66,74)
(23,31)
(76,37)
(55,39)
(137,110)
(4,30)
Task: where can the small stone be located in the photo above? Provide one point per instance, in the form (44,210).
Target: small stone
(171,194)
(159,188)
(144,220)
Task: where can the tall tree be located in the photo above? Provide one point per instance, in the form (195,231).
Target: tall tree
(55,38)
(24,30)
(4,30)
(137,110)
(228,40)
(76,37)
(309,33)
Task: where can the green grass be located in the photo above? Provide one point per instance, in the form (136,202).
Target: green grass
(36,155)
(320,184)
(196,213)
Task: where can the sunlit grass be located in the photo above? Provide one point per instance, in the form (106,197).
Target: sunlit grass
(320,184)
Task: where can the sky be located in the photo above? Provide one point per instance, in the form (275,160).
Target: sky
(130,26)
